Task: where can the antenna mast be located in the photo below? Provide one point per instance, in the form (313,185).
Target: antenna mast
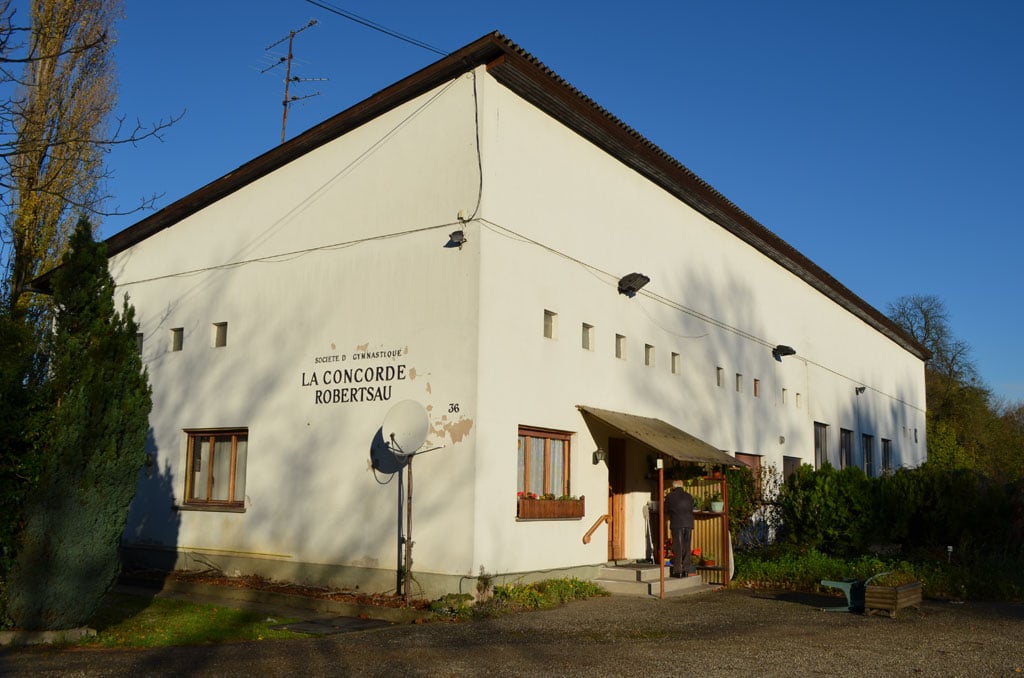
(288,79)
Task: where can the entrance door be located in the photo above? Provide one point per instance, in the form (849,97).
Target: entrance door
(616,499)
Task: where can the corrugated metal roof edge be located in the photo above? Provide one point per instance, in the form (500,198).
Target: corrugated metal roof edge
(538,84)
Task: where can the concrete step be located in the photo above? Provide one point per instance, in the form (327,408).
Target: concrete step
(631,573)
(642,580)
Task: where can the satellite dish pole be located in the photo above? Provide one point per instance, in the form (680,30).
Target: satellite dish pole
(404,430)
(407,570)
(288,79)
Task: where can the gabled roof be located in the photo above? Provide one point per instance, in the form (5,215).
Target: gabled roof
(529,78)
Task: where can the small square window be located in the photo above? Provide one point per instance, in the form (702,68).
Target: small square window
(220,335)
(550,325)
(177,338)
(676,367)
(138,342)
(620,346)
(785,396)
(739,383)
(757,388)
(587,341)
(798,401)
(648,355)
(720,376)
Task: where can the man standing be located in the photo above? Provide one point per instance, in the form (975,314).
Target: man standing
(679,508)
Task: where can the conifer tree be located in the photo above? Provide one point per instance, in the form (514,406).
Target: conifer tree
(91,448)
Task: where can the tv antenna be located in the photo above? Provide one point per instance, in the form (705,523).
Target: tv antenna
(288,77)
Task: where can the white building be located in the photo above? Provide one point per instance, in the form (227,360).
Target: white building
(289,305)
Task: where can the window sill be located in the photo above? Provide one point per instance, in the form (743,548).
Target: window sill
(217,508)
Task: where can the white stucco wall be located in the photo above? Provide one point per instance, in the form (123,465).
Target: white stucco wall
(339,253)
(564,222)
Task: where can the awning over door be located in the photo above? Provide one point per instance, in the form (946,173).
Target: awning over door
(662,436)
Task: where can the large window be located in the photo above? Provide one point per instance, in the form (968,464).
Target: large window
(886,456)
(845,448)
(216,468)
(867,443)
(868,453)
(790,466)
(543,463)
(820,444)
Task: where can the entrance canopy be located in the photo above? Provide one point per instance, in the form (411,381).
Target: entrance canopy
(662,436)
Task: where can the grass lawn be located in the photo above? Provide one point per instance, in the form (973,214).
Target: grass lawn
(126,621)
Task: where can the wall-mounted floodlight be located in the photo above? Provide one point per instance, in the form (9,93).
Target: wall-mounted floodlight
(782,350)
(456,239)
(630,284)
(860,389)
(599,456)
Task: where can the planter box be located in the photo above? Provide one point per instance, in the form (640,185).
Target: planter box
(891,598)
(550,509)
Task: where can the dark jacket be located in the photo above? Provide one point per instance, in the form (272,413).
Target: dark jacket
(679,508)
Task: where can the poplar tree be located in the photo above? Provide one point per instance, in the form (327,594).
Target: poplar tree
(55,129)
(90,448)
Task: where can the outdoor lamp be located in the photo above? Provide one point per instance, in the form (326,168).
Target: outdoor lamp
(630,284)
(783,350)
(456,239)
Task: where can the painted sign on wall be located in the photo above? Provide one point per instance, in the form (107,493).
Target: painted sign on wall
(350,380)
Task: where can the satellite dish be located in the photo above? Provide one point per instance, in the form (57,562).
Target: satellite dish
(405,427)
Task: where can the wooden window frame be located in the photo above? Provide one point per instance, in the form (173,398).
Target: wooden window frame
(548,435)
(232,503)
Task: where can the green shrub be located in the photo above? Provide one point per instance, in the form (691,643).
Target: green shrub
(511,598)
(787,568)
(91,449)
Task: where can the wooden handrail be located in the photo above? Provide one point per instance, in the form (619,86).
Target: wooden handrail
(593,528)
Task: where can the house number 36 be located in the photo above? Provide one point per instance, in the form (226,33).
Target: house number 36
(453,407)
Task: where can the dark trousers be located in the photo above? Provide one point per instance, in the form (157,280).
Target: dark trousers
(681,564)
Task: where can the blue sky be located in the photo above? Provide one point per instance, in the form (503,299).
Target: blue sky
(884,140)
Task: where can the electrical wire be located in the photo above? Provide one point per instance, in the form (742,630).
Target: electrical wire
(284,256)
(352,16)
(612,280)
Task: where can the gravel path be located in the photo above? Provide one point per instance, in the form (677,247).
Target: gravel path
(737,633)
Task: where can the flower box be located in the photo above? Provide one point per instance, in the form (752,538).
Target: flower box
(550,509)
(878,598)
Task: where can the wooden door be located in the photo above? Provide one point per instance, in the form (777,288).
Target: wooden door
(616,499)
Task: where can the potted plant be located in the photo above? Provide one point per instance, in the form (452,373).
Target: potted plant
(717,505)
(708,560)
(891,591)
